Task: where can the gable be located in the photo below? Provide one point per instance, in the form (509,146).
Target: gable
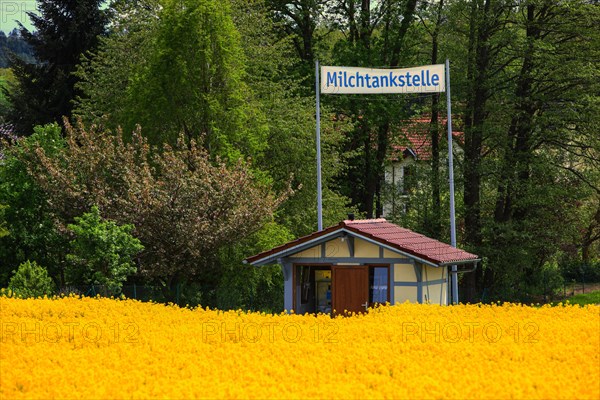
(367,239)
(345,245)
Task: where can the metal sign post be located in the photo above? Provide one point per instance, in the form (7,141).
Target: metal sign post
(318,116)
(355,80)
(451,182)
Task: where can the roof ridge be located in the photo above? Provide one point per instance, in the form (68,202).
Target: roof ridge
(379,231)
(364,221)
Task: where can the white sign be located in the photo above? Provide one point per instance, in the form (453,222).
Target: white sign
(353,80)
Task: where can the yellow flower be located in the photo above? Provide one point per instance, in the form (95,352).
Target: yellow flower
(72,347)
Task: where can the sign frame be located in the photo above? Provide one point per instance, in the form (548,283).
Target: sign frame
(356,80)
(343,86)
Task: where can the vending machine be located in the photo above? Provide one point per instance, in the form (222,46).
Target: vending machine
(323,291)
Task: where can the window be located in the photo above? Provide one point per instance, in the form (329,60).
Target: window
(378,284)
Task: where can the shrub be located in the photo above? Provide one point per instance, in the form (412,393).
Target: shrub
(184,204)
(578,271)
(25,211)
(31,280)
(101,253)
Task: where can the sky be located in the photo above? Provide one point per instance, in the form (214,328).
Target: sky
(11,10)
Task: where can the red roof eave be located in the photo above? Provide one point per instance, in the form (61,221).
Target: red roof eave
(389,235)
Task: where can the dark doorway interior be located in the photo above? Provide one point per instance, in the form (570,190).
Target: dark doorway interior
(313,289)
(352,288)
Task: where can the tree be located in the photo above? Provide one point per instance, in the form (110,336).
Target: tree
(289,118)
(432,18)
(549,151)
(113,66)
(101,253)
(527,94)
(31,280)
(6,78)
(183,206)
(192,80)
(3,230)
(29,220)
(298,19)
(64,30)
(487,30)
(300,22)
(279,135)
(374,34)
(246,286)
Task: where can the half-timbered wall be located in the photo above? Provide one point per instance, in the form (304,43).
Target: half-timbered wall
(409,280)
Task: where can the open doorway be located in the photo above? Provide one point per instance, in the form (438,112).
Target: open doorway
(352,288)
(313,289)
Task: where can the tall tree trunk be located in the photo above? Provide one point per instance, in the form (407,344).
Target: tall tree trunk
(434,133)
(373,133)
(526,110)
(397,46)
(591,235)
(365,24)
(307,29)
(383,129)
(515,174)
(479,62)
(368,171)
(382,146)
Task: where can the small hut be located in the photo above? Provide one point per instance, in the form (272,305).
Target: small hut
(359,263)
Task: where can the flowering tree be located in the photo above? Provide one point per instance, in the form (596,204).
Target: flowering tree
(184,206)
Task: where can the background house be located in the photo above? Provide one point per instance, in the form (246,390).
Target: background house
(410,158)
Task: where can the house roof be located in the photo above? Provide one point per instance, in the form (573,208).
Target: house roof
(391,236)
(415,139)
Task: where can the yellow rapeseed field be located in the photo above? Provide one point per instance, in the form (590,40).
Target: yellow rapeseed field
(112,349)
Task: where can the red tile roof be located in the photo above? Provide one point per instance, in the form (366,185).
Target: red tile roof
(416,138)
(386,233)
(408,241)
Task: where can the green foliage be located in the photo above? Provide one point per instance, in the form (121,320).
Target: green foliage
(183,205)
(237,77)
(6,78)
(373,34)
(289,111)
(585,298)
(113,67)
(3,230)
(575,270)
(197,83)
(535,159)
(31,280)
(246,103)
(194,84)
(64,30)
(26,213)
(248,287)
(101,253)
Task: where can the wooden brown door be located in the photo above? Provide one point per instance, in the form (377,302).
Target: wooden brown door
(350,288)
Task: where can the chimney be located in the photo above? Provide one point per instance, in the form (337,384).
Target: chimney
(351,216)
